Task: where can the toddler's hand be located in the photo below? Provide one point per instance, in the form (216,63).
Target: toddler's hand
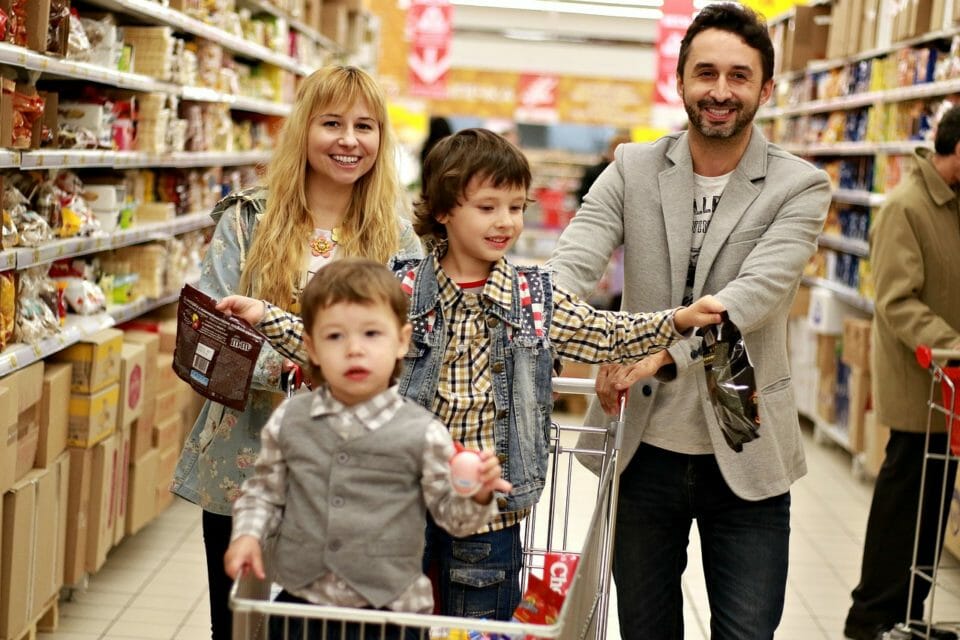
(704,311)
(490,477)
(244,552)
(250,309)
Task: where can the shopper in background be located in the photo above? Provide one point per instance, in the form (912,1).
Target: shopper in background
(755,216)
(330,191)
(439,129)
(591,173)
(355,312)
(470,310)
(915,260)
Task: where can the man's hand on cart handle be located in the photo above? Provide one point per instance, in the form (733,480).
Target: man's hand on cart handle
(615,379)
(250,309)
(244,554)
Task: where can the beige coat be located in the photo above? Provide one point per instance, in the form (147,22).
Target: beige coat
(915,257)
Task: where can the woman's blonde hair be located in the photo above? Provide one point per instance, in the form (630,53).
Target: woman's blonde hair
(369,228)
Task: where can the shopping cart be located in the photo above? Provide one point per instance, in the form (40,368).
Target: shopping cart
(548,529)
(944,368)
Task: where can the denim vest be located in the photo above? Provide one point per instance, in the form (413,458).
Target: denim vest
(521,368)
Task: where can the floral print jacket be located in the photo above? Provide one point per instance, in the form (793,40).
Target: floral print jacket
(219,453)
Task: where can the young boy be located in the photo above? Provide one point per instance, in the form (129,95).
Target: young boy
(347,473)
(485,335)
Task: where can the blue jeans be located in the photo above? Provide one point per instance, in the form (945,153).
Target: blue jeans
(477,576)
(744,545)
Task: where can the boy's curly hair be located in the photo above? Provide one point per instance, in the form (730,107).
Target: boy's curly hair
(453,163)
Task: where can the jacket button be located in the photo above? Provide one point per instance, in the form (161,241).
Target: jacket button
(342,458)
(335,545)
(492,322)
(498,367)
(337,501)
(694,353)
(647,390)
(501,414)
(502,503)
(501,458)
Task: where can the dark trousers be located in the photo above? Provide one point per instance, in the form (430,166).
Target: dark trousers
(293,628)
(744,546)
(881,596)
(216,539)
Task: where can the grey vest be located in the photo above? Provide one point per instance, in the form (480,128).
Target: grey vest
(353,507)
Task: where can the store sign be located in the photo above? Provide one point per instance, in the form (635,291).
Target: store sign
(537,98)
(429,26)
(677,16)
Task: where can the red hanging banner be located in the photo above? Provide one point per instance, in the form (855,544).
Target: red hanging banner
(429,25)
(677,16)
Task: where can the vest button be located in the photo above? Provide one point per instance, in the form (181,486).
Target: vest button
(492,322)
(694,353)
(335,545)
(647,390)
(342,458)
(502,503)
(337,501)
(498,367)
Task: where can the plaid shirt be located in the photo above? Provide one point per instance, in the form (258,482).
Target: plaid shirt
(464,400)
(258,510)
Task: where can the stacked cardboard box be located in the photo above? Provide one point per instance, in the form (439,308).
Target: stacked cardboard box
(143,457)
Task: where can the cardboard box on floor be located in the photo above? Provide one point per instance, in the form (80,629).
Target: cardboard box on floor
(151,345)
(78,514)
(132,366)
(54,412)
(95,359)
(93,417)
(9,412)
(141,492)
(121,484)
(101,510)
(17,547)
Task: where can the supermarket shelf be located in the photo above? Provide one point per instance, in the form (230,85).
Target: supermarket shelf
(846,245)
(83,158)
(825,65)
(845,293)
(899,94)
(20,355)
(239,103)
(9,159)
(263,6)
(157,14)
(853,196)
(905,147)
(8,259)
(27,257)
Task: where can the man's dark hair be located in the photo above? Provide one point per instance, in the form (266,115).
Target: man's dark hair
(737,19)
(948,132)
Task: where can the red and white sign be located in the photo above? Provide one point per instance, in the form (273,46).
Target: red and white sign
(537,98)
(677,16)
(429,29)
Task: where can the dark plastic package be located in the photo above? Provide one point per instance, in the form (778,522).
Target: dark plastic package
(731,383)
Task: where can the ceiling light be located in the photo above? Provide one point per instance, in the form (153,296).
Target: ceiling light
(645,10)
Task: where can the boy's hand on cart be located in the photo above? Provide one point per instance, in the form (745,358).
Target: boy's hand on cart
(490,477)
(702,312)
(244,553)
(250,309)
(615,379)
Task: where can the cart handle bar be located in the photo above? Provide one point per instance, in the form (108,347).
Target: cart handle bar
(926,355)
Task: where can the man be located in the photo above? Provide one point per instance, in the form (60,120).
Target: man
(915,258)
(756,215)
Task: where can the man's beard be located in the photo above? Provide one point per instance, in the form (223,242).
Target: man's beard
(724,131)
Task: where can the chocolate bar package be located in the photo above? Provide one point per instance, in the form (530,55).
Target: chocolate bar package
(731,383)
(214,353)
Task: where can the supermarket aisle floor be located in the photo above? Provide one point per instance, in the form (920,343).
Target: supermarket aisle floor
(154,586)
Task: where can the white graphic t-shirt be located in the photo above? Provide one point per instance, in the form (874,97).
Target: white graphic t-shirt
(687,432)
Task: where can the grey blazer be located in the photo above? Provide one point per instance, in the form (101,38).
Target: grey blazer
(762,234)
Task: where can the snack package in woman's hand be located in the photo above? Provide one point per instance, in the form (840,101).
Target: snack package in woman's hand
(731,383)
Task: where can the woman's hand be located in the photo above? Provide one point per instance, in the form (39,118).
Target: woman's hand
(250,309)
(614,379)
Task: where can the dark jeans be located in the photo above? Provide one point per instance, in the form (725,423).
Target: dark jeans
(216,539)
(479,576)
(744,546)
(292,628)
(881,596)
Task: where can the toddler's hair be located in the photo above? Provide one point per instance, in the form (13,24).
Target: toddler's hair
(453,163)
(357,281)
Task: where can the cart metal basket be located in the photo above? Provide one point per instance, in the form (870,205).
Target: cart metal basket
(548,529)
